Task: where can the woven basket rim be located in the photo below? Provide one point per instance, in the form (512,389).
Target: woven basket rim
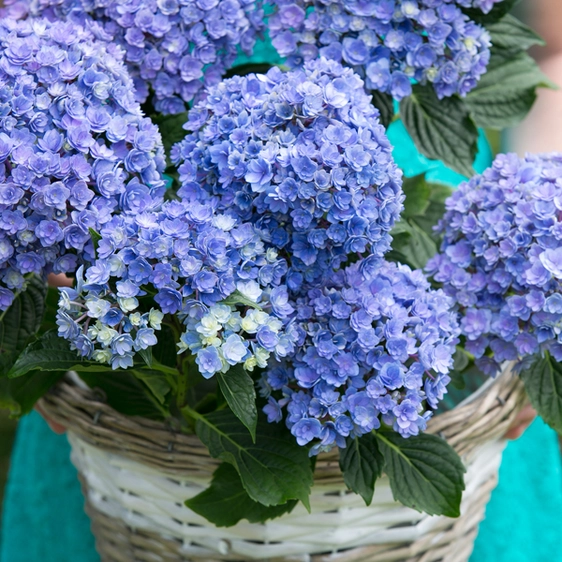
(484,415)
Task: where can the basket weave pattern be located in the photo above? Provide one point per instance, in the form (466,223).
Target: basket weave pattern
(136,473)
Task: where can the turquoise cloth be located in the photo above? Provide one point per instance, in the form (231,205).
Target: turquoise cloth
(44,521)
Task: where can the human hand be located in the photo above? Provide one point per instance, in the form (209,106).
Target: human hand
(521,422)
(56,427)
(59,280)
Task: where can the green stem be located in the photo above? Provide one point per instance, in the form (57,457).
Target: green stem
(164,368)
(187,410)
(182,388)
(191,416)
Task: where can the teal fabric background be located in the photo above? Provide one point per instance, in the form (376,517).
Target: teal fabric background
(43,518)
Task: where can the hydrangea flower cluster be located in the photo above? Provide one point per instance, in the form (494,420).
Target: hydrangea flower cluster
(388,42)
(188,259)
(501,259)
(378,346)
(174,47)
(74,148)
(301,155)
(482,5)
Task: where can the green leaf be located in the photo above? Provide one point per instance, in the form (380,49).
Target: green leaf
(495,14)
(510,33)
(171,128)
(155,381)
(458,381)
(361,463)
(146,355)
(96,237)
(20,322)
(414,245)
(435,210)
(237,298)
(249,68)
(498,112)
(165,351)
(543,382)
(506,93)
(126,394)
(385,104)
(225,502)
(240,394)
(442,129)
(425,472)
(51,353)
(461,359)
(20,395)
(273,470)
(51,307)
(417,193)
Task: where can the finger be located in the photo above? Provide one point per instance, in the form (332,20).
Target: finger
(516,432)
(59,280)
(527,414)
(55,427)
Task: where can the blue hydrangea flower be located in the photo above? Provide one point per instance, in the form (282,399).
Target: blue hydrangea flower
(375,346)
(209,269)
(501,259)
(303,157)
(483,5)
(74,148)
(390,43)
(172,47)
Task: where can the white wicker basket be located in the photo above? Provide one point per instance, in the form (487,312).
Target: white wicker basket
(135,484)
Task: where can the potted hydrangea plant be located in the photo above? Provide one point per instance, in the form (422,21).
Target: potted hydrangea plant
(249,327)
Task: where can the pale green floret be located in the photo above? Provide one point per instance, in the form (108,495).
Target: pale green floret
(275,324)
(208,326)
(249,325)
(262,357)
(128,304)
(215,341)
(250,289)
(135,319)
(155,318)
(64,301)
(117,266)
(97,307)
(182,346)
(102,355)
(105,334)
(431,74)
(271,255)
(250,364)
(260,317)
(221,312)
(234,322)
(470,44)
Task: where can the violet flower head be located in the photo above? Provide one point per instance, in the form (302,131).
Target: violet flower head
(172,47)
(75,148)
(375,347)
(390,43)
(303,157)
(501,259)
